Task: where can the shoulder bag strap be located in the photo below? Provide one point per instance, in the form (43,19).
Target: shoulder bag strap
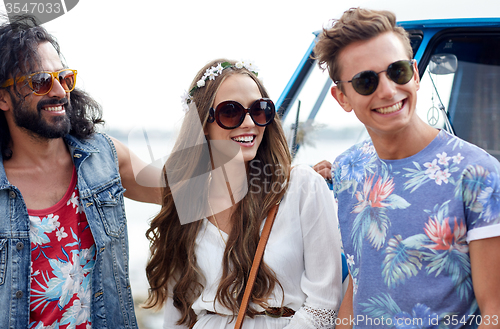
(255,265)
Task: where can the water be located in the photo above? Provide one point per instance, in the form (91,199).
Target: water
(140,214)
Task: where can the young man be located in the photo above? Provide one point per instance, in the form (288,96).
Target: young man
(419,209)
(63,233)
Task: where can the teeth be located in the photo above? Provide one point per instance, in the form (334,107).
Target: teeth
(390,109)
(243,139)
(54,108)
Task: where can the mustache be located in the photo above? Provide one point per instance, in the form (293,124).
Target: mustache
(44,102)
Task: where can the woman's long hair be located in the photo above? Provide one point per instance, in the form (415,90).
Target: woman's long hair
(172,268)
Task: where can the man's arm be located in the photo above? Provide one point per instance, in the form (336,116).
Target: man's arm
(127,161)
(485,269)
(346,311)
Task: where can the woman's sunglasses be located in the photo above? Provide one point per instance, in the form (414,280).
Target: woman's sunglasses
(231,114)
(366,82)
(42,82)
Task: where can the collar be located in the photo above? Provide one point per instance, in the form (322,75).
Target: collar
(79,149)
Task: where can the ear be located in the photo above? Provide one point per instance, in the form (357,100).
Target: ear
(5,100)
(416,75)
(341,98)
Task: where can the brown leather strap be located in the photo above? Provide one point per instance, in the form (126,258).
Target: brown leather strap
(274,312)
(278,312)
(255,265)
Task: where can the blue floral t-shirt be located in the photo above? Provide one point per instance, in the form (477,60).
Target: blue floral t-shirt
(405,228)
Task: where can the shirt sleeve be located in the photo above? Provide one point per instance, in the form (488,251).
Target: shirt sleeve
(481,194)
(322,276)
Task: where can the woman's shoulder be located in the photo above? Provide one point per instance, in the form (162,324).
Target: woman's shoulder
(303,169)
(301,174)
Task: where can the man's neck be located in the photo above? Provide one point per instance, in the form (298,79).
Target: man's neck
(29,149)
(41,169)
(405,143)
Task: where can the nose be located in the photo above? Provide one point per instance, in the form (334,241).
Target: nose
(386,87)
(247,122)
(57,90)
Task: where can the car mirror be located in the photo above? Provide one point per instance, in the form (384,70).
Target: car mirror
(443,64)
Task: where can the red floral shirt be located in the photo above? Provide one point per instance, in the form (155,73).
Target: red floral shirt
(62,257)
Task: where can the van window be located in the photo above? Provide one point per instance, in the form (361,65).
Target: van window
(462,79)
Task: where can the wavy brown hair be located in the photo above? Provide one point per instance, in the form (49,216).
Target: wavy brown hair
(355,24)
(172,267)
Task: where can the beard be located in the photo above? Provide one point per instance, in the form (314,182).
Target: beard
(53,127)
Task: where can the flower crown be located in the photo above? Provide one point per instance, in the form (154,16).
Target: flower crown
(210,74)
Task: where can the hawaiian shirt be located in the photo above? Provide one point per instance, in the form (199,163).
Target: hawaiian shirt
(405,227)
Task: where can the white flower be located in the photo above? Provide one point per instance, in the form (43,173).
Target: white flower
(457,158)
(33,273)
(368,148)
(53,221)
(82,306)
(201,83)
(87,255)
(218,69)
(70,276)
(211,74)
(355,286)
(250,65)
(239,64)
(185,99)
(442,176)
(443,158)
(61,234)
(432,167)
(350,259)
(74,202)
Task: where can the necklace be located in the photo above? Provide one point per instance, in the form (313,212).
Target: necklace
(211,210)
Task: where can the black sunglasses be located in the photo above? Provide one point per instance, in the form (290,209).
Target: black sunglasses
(231,114)
(366,82)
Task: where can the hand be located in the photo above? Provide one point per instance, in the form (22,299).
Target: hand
(324,168)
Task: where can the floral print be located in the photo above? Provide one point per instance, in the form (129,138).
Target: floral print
(489,198)
(63,254)
(405,225)
(420,316)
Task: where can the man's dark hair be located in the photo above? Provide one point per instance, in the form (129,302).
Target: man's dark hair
(19,41)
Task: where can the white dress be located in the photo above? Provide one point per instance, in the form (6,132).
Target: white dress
(304,250)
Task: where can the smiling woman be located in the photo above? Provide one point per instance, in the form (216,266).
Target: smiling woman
(240,89)
(205,237)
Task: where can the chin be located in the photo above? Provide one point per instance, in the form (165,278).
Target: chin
(247,157)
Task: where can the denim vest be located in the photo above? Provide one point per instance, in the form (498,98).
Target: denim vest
(101,195)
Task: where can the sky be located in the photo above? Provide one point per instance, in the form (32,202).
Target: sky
(136,58)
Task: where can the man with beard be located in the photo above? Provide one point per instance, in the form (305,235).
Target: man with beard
(63,234)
